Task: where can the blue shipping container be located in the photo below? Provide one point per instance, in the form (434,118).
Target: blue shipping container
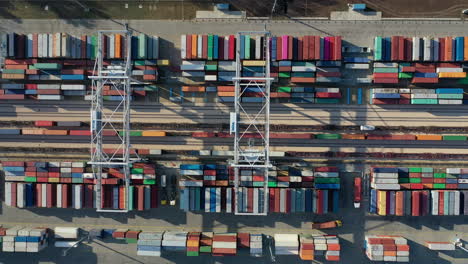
(387,95)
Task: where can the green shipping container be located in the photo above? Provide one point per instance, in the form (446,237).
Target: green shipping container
(405,75)
(378,48)
(149,181)
(328,136)
(450,96)
(77,180)
(131,240)
(131,194)
(13,71)
(142,46)
(30,179)
(139,63)
(327,100)
(47,66)
(272,184)
(210,47)
(257,184)
(463,81)
(211,66)
(440,175)
(302,63)
(205,249)
(425,169)
(94,45)
(284,89)
(439,185)
(386,70)
(132,133)
(137,170)
(424,101)
(303,74)
(415,169)
(326,180)
(403,180)
(415,180)
(193,254)
(453,137)
(247,47)
(151,88)
(284,75)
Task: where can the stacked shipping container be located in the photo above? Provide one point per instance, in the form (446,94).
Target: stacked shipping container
(19,239)
(387,248)
(445,96)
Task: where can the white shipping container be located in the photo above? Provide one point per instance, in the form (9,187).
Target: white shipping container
(58,46)
(78,196)
(66,244)
(423,96)
(8,187)
(66,232)
(258,47)
(111,46)
(404,90)
(449,70)
(427,49)
(385,90)
(450,102)
(199,47)
(357,66)
(402,259)
(456,202)
(39,45)
(416,49)
(453,170)
(440,245)
(20,195)
(384,180)
(44,195)
(218,200)
(364,80)
(384,186)
(183,47)
(64,52)
(385,64)
(29,46)
(50,45)
(327,90)
(435,49)
(49,97)
(220,244)
(435,202)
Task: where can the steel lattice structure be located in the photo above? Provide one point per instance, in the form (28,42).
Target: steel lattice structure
(118,77)
(252,118)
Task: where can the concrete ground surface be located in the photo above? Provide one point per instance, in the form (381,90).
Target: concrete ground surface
(356,222)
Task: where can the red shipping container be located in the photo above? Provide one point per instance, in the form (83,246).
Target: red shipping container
(326,169)
(327,95)
(317,54)
(50,195)
(401,48)
(277,200)
(424,80)
(300,48)
(416,186)
(243,240)
(141,198)
(30,86)
(39,195)
(319,202)
(49,91)
(232,47)
(331,74)
(290,47)
(279,48)
(13,163)
(415,203)
(65,180)
(154,197)
(425,204)
(408,69)
(338,46)
(20,61)
(442,49)
(80,133)
(29,169)
(394,48)
(271,200)
(89,201)
(42,179)
(44,123)
(12,97)
(250,198)
(54,174)
(65,195)
(451,186)
(30,174)
(305,48)
(386,80)
(441,203)
(13,194)
(83,46)
(331,48)
(35,45)
(384,75)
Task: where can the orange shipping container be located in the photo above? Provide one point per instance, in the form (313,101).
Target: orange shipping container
(56,132)
(194,46)
(466,49)
(428,137)
(389,253)
(226,93)
(402,247)
(149,133)
(448,49)
(353,136)
(118,47)
(399,203)
(428,185)
(193,88)
(335,247)
(226,88)
(452,74)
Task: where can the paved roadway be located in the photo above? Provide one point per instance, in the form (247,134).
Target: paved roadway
(287,114)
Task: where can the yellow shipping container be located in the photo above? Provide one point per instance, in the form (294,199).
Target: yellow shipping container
(452,74)
(193,243)
(149,133)
(253,63)
(54,180)
(12,76)
(382,202)
(163,62)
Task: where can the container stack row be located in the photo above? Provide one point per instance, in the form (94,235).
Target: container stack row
(444,96)
(26,79)
(74,172)
(304,48)
(20,239)
(256,245)
(149,244)
(313,246)
(78,196)
(387,248)
(391,178)
(63,45)
(398,48)
(281,200)
(393,72)
(224,244)
(193,244)
(418,203)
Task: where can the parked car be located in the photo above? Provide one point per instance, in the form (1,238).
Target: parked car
(367,128)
